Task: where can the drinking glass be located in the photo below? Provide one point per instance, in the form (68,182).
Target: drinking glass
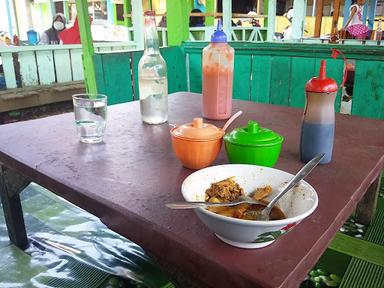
(90,116)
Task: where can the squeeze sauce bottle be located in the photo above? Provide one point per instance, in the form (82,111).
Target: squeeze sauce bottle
(318,127)
(218,58)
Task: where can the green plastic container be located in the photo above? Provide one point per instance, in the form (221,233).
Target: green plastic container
(253,145)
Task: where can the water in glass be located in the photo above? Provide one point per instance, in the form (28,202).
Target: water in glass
(90,117)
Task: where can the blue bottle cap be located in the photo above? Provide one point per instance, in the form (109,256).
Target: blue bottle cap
(219,36)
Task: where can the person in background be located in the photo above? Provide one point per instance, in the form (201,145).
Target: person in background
(287,33)
(196,21)
(199,4)
(72,34)
(163,21)
(354,25)
(51,36)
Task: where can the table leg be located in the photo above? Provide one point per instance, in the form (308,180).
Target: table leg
(365,210)
(11,184)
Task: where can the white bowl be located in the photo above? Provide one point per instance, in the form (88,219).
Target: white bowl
(297,204)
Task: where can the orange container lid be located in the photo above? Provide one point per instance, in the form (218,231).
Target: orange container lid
(197,130)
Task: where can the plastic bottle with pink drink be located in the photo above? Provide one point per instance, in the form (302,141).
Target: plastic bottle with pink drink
(218,60)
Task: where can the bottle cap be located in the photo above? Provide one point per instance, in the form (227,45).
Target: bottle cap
(321,84)
(219,36)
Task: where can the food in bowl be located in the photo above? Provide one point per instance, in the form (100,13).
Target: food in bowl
(296,204)
(229,190)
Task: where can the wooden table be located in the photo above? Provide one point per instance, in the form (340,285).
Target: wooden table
(127,180)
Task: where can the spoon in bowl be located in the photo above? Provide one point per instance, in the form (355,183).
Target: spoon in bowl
(263,215)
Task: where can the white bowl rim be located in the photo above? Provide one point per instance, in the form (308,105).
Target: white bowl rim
(258,223)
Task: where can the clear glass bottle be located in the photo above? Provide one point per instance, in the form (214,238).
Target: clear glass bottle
(153,84)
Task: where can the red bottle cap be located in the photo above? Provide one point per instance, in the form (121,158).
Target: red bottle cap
(321,84)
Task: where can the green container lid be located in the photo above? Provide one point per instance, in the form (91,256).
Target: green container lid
(253,135)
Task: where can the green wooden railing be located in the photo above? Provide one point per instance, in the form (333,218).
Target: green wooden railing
(273,73)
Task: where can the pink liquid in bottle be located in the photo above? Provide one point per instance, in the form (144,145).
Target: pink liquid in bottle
(218,59)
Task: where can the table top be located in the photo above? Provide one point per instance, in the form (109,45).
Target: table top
(127,180)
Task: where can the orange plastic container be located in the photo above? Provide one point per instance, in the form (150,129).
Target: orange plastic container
(197,144)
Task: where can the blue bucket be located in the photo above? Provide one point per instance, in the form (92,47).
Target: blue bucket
(33,37)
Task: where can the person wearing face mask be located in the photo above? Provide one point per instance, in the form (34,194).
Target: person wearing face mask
(51,36)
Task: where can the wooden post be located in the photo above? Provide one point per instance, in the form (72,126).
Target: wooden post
(15,17)
(371,13)
(29,14)
(177,21)
(319,18)
(227,19)
(66,10)
(298,20)
(51,9)
(9,17)
(87,45)
(313,8)
(127,9)
(210,8)
(347,5)
(138,23)
(11,184)
(258,6)
(110,11)
(336,13)
(366,209)
(270,6)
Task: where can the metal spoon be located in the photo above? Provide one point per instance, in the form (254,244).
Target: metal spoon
(189,205)
(263,215)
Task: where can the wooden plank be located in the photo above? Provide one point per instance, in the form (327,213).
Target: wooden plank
(28,68)
(195,74)
(242,77)
(366,209)
(87,46)
(319,17)
(176,70)
(227,18)
(357,248)
(261,78)
(335,16)
(298,22)
(138,23)
(115,84)
(280,84)
(302,70)
(76,64)
(45,66)
(368,90)
(63,66)
(335,70)
(271,6)
(9,70)
(177,21)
